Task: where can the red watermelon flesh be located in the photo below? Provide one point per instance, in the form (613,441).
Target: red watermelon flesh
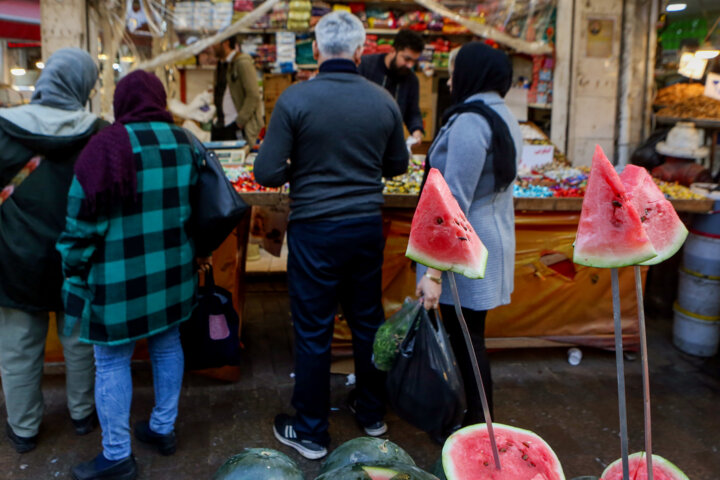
(440,235)
(662,224)
(662,469)
(610,233)
(467,455)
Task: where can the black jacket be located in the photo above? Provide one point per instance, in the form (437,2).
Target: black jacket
(32,219)
(405,90)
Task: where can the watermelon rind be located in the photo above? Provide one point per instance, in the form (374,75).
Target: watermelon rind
(259,464)
(365,450)
(602,261)
(677,243)
(658,461)
(476,272)
(449,469)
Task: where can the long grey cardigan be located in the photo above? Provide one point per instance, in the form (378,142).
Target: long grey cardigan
(460,152)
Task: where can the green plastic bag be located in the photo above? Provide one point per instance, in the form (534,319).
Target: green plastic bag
(391,334)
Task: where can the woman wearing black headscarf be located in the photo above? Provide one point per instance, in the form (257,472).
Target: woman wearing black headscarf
(477,152)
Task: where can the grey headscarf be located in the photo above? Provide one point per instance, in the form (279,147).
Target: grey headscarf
(67,80)
(58,105)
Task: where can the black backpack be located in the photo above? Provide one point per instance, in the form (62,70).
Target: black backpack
(210,337)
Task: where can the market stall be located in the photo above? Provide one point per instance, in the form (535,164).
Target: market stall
(555,302)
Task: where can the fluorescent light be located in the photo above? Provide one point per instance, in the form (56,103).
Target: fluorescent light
(676,7)
(127,59)
(18,72)
(102,56)
(40,65)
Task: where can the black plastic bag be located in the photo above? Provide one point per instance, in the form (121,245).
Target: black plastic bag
(210,337)
(424,385)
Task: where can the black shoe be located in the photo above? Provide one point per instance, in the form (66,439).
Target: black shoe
(285,433)
(125,469)
(85,425)
(21,444)
(166,444)
(375,429)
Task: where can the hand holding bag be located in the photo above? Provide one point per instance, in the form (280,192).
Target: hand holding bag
(217,207)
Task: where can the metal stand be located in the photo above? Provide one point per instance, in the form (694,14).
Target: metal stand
(620,374)
(476,369)
(645,372)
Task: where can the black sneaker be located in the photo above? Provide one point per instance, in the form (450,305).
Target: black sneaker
(85,425)
(21,444)
(285,433)
(125,469)
(373,430)
(166,444)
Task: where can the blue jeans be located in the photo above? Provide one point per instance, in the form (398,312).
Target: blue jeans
(113,389)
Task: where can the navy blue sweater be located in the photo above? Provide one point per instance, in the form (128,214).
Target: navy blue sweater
(341,134)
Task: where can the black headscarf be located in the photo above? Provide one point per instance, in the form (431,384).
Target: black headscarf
(480,68)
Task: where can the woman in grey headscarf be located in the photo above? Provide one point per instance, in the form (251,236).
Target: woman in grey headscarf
(39,143)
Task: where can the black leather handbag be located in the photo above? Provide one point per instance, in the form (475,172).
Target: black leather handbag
(217,207)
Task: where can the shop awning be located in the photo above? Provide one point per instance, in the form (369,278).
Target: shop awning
(20,19)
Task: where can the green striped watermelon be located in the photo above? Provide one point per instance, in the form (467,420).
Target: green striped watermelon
(610,232)
(440,235)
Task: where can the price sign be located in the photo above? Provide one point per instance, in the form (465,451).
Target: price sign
(712,86)
(536,155)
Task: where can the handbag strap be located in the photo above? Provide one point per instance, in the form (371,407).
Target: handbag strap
(209,278)
(20,177)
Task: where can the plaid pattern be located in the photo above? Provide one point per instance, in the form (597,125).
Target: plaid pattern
(129,273)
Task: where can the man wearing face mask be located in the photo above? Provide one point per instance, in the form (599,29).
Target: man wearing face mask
(394,72)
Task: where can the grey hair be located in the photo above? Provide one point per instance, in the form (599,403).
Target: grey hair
(339,34)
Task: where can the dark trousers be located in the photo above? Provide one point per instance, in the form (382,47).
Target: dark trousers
(331,262)
(219,134)
(475,320)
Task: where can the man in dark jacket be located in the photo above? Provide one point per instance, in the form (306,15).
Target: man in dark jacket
(342,134)
(394,72)
(51,130)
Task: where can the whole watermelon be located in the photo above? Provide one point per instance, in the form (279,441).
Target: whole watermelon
(377,471)
(259,464)
(438,471)
(365,450)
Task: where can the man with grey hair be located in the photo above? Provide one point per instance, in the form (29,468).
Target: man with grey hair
(341,134)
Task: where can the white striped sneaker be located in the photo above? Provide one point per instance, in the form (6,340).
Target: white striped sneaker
(285,433)
(376,429)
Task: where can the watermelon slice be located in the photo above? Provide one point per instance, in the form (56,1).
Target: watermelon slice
(610,233)
(662,224)
(440,235)
(380,473)
(662,469)
(467,455)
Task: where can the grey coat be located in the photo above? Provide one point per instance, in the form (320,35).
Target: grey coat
(460,152)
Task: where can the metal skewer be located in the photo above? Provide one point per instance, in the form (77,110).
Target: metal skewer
(645,372)
(620,373)
(476,369)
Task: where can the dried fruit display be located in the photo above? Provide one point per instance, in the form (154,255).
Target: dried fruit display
(678,93)
(700,107)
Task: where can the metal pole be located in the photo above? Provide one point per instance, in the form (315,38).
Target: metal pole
(645,372)
(620,374)
(476,369)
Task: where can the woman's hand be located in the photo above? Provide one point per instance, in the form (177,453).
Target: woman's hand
(204,263)
(429,288)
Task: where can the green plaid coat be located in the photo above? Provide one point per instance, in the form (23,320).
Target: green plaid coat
(129,273)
